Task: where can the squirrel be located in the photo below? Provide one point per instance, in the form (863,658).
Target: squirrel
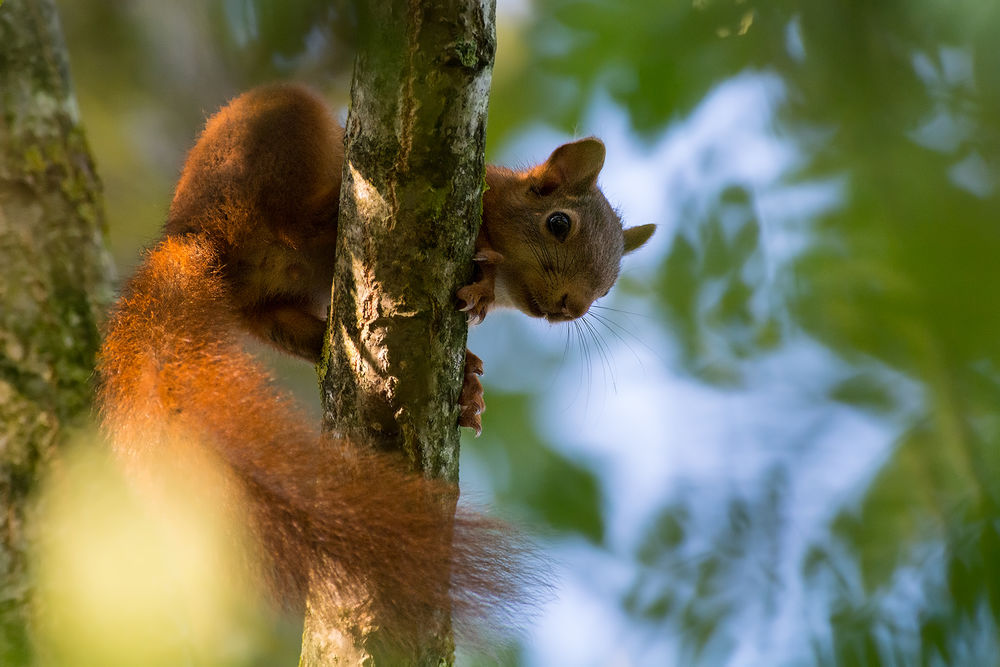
(248,246)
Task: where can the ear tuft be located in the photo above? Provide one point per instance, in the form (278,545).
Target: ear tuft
(573,166)
(636,237)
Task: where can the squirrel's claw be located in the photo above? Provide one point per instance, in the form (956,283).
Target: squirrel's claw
(487,257)
(470,402)
(473,364)
(477,299)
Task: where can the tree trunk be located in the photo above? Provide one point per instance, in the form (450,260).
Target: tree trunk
(409,212)
(54,280)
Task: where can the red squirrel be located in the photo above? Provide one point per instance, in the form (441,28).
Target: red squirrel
(249,246)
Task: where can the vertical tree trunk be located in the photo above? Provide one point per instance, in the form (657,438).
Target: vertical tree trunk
(410,210)
(54,279)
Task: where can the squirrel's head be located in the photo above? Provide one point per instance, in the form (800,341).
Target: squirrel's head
(561,240)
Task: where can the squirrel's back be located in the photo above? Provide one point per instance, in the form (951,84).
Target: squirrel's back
(269,161)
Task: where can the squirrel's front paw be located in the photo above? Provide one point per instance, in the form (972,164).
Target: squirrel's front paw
(470,402)
(478,297)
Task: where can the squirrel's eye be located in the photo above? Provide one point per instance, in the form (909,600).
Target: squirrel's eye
(558,224)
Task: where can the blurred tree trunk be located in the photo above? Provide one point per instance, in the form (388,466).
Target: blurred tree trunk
(54,281)
(410,211)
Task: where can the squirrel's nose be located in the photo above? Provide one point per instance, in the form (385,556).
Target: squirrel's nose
(564,305)
(570,308)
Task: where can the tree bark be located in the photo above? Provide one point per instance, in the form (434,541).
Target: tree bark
(54,280)
(410,208)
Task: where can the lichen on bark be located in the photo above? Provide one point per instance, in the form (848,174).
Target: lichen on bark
(410,209)
(54,282)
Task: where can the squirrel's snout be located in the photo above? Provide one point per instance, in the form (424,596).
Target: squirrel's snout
(566,307)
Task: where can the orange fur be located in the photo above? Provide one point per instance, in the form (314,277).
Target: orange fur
(173,371)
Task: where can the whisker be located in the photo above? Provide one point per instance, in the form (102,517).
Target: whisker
(616,330)
(603,350)
(624,331)
(544,252)
(536,251)
(534,301)
(566,343)
(620,332)
(587,355)
(609,358)
(562,364)
(574,336)
(623,312)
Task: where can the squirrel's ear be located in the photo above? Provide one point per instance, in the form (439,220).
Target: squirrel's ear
(573,166)
(636,237)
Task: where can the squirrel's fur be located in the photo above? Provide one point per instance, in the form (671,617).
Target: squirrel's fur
(173,371)
(249,247)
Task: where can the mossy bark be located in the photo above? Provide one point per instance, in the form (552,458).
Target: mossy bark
(410,208)
(54,281)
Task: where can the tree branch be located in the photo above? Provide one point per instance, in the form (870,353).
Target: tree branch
(409,211)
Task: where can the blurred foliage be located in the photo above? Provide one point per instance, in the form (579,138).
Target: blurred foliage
(131,574)
(657,59)
(696,595)
(709,283)
(271,38)
(901,102)
(549,488)
(896,101)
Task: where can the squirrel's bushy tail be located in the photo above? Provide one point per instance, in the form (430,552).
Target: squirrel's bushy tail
(173,369)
